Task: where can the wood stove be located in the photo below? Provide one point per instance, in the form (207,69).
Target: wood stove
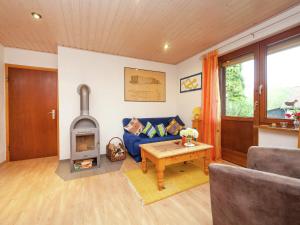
(84,133)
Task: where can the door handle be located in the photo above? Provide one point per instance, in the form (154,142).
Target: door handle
(260,89)
(53,114)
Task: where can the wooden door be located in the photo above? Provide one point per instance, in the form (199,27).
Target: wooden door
(239,81)
(32,110)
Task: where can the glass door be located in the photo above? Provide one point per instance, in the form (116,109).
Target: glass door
(239,106)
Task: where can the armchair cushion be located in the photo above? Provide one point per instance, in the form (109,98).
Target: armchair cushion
(281,161)
(251,197)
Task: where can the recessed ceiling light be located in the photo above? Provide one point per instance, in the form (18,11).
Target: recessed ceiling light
(166,46)
(36,16)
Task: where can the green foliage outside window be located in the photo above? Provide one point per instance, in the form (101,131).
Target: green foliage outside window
(237,104)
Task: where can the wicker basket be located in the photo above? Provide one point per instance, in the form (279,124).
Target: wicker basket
(116,152)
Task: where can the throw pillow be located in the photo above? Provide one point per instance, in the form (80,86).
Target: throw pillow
(174,127)
(178,119)
(149,130)
(161,130)
(134,127)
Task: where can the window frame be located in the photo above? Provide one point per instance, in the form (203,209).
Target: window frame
(250,49)
(259,50)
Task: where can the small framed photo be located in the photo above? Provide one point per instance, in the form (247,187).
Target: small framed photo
(191,83)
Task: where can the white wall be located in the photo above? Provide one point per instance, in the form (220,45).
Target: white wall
(2,107)
(187,101)
(269,138)
(105,76)
(29,58)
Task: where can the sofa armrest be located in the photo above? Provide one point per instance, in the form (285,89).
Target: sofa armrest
(127,136)
(130,139)
(250,197)
(283,161)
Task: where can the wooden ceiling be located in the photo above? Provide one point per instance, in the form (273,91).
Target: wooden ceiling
(133,28)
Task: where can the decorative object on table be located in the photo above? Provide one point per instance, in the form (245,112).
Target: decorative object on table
(174,127)
(296,124)
(116,151)
(134,126)
(197,120)
(189,134)
(183,140)
(283,124)
(273,125)
(144,85)
(291,104)
(295,115)
(197,113)
(191,83)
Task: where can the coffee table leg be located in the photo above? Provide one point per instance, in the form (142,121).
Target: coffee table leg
(160,168)
(144,161)
(206,161)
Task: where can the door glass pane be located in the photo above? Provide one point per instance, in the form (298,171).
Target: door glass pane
(239,86)
(283,78)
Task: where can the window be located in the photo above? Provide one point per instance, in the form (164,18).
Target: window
(261,82)
(239,86)
(283,78)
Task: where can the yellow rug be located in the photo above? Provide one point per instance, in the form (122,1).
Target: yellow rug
(178,178)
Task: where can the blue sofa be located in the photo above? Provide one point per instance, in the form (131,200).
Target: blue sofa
(132,141)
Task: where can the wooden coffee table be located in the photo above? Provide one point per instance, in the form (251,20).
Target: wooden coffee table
(167,153)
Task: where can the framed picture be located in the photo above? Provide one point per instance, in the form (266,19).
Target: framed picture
(144,85)
(191,83)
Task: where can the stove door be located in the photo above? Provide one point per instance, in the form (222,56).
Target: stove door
(84,143)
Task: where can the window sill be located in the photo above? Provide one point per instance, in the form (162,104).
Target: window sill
(268,127)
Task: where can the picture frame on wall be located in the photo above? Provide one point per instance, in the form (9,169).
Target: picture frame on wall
(144,85)
(191,83)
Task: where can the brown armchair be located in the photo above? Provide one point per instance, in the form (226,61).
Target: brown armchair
(265,193)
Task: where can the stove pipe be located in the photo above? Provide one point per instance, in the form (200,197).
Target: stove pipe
(84,92)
